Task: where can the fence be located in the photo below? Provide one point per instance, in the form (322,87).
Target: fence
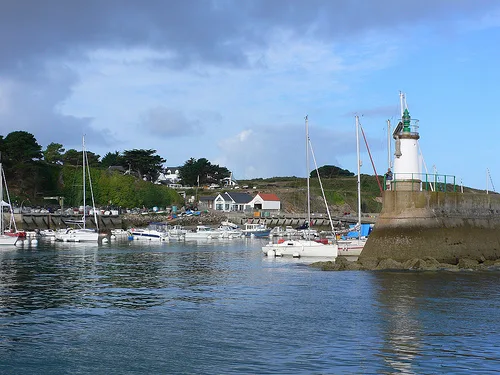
(420,182)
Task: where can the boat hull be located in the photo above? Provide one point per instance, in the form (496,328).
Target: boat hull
(257,233)
(77,235)
(301,248)
(8,240)
(148,235)
(351,248)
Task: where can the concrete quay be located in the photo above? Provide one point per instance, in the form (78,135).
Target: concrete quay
(318,220)
(34,221)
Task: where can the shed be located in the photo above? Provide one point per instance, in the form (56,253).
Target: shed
(266,201)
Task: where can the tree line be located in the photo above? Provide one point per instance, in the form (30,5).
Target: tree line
(33,171)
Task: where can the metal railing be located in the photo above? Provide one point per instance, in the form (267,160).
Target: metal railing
(421,182)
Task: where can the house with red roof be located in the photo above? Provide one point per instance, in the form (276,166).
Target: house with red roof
(266,201)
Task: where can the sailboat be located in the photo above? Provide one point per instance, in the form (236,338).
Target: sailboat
(4,238)
(354,246)
(81,233)
(306,247)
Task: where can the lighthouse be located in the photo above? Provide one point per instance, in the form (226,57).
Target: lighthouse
(407,170)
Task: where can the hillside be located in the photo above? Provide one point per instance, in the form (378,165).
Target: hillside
(340,193)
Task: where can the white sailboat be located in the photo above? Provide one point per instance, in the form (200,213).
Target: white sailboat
(306,247)
(354,246)
(4,239)
(82,233)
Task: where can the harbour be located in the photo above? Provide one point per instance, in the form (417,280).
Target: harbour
(206,307)
(33,221)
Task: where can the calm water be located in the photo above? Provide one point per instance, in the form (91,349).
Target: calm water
(223,308)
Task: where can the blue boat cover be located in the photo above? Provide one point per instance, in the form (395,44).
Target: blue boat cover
(365,231)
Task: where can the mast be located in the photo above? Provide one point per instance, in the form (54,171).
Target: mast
(84,187)
(389,144)
(1,199)
(402,101)
(308,182)
(359,176)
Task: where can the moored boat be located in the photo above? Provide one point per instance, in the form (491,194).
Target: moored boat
(256,230)
(10,238)
(307,247)
(80,233)
(202,232)
(154,231)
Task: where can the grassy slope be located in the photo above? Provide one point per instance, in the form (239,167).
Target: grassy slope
(340,192)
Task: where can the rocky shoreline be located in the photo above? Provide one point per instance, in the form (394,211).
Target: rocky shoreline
(341,263)
(140,220)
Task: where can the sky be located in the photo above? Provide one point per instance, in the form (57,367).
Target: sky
(232,80)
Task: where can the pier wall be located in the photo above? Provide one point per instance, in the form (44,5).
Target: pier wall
(445,226)
(49,221)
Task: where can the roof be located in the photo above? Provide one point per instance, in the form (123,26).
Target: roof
(207,198)
(268,197)
(172,169)
(238,197)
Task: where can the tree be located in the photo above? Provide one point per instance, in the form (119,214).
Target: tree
(93,159)
(328,171)
(21,147)
(53,154)
(111,159)
(202,169)
(72,157)
(144,162)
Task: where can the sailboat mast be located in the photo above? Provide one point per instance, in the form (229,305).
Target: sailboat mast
(401,102)
(1,199)
(359,176)
(84,187)
(389,144)
(308,179)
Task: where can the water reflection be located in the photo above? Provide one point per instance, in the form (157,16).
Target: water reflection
(412,303)
(401,326)
(128,275)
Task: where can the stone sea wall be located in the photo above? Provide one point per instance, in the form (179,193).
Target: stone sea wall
(443,226)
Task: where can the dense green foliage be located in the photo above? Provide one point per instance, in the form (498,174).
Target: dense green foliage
(202,172)
(20,147)
(111,159)
(328,171)
(53,154)
(144,162)
(115,189)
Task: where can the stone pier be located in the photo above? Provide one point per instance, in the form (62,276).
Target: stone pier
(442,225)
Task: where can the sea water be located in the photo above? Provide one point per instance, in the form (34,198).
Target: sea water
(221,307)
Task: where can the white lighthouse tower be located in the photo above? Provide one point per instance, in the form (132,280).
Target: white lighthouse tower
(407,166)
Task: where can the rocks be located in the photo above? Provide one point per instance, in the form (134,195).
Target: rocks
(468,264)
(205,217)
(389,264)
(416,264)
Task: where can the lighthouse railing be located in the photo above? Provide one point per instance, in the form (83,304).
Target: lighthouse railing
(421,182)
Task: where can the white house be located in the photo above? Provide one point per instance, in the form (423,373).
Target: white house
(229,181)
(263,201)
(230,201)
(172,175)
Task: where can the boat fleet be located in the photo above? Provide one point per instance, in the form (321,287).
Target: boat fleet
(287,241)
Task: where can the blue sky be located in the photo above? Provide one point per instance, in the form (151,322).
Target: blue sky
(232,80)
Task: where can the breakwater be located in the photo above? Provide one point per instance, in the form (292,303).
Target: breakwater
(446,226)
(106,222)
(51,221)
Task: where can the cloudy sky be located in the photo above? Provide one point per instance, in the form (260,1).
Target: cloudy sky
(232,80)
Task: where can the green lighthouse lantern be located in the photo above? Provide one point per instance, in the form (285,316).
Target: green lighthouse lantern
(406,121)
